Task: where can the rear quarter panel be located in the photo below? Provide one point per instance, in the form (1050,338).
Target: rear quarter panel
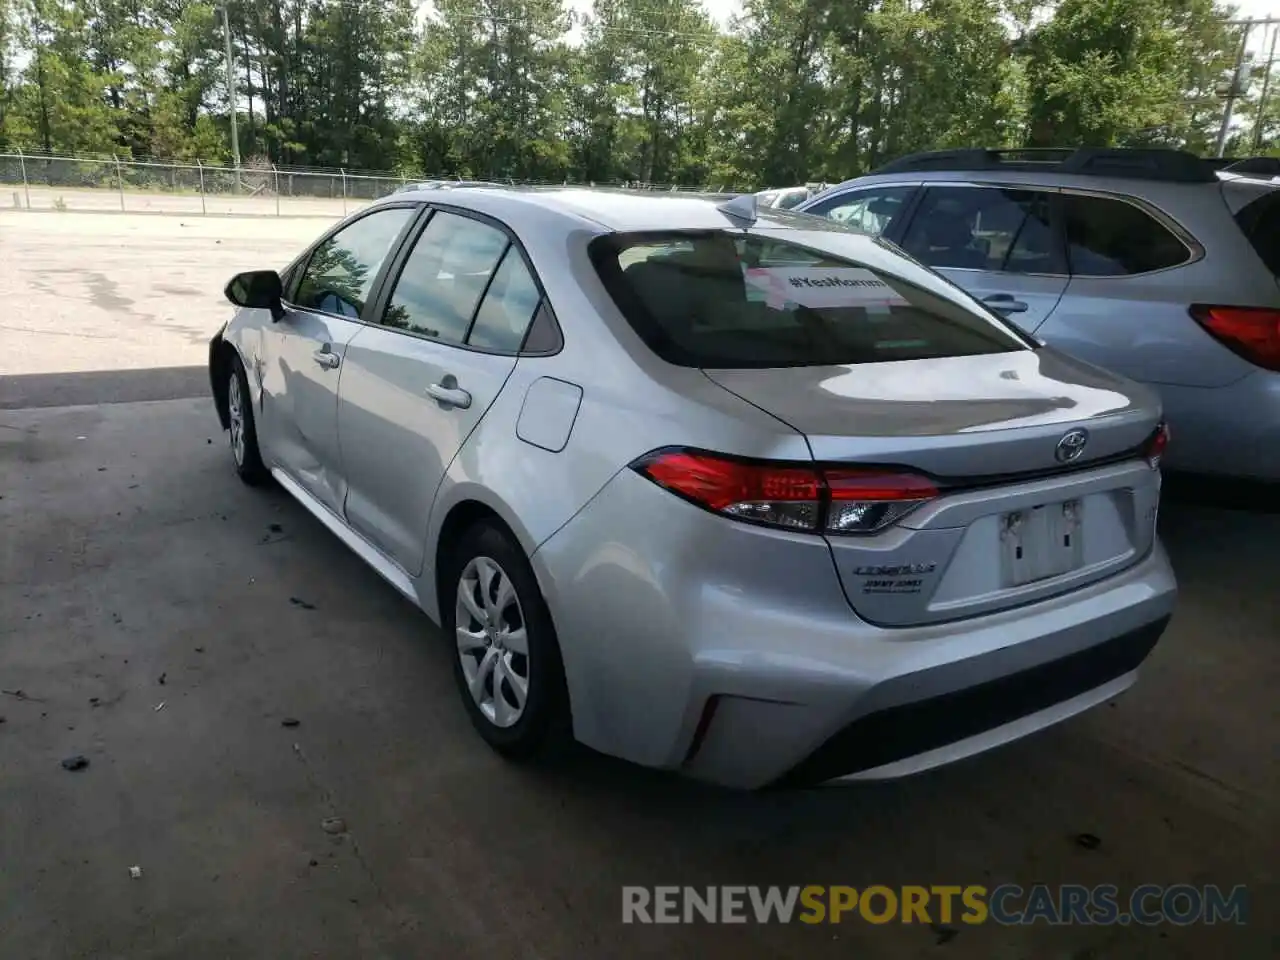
(632,403)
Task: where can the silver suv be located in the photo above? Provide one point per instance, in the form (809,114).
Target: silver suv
(1145,262)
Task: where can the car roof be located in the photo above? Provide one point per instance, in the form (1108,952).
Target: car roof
(600,210)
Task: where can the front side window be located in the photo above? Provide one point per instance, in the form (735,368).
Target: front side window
(983,228)
(721,299)
(342,269)
(1112,238)
(444,277)
(871,211)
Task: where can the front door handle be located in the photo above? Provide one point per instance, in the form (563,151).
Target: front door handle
(1004,303)
(326,357)
(449,394)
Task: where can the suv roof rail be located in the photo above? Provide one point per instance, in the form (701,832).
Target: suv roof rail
(1254,166)
(1174,166)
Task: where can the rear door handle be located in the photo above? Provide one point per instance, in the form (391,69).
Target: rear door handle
(449,394)
(1004,303)
(326,357)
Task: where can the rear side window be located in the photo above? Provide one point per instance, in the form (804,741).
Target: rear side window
(1260,221)
(444,277)
(465,282)
(508,307)
(720,299)
(984,228)
(1112,238)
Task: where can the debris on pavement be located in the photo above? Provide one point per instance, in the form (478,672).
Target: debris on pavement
(944,934)
(135,873)
(302,603)
(22,695)
(199,649)
(159,706)
(289,722)
(275,528)
(333,825)
(75,763)
(161,680)
(1088,841)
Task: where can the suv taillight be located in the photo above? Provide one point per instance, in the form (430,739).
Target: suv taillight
(1251,332)
(838,500)
(1154,448)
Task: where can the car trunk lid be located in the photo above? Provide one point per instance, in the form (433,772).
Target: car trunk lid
(1024,509)
(955,417)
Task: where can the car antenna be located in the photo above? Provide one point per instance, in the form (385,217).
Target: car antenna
(740,208)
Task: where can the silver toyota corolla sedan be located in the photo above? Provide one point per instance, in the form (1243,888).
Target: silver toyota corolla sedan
(727,491)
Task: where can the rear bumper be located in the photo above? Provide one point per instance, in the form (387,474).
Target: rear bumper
(729,653)
(1231,431)
(915,736)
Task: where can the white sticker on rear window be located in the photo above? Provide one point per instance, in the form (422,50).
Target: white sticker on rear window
(820,287)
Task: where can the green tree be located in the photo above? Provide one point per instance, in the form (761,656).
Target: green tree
(60,105)
(1116,72)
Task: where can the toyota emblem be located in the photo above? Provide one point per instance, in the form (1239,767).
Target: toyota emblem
(1071,446)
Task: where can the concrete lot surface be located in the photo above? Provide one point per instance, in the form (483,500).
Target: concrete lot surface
(108,292)
(162,620)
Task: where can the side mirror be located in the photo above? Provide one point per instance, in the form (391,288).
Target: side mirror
(257,288)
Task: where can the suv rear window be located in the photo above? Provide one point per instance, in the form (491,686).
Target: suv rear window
(1113,238)
(1260,221)
(719,299)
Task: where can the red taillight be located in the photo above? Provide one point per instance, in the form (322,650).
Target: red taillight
(1155,446)
(837,500)
(1251,332)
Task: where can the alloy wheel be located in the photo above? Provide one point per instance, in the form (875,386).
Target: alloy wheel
(492,641)
(235,416)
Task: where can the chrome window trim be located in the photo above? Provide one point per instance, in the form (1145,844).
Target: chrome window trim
(1195,251)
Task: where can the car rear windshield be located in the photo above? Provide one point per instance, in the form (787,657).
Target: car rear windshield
(720,299)
(1260,221)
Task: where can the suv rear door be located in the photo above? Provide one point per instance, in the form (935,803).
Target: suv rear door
(1134,274)
(998,243)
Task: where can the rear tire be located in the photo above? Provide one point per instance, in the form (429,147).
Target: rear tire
(242,428)
(506,658)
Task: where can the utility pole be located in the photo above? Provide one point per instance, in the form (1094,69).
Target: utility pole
(1266,87)
(1235,91)
(231,95)
(1232,91)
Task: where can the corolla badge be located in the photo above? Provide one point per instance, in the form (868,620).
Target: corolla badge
(1071,446)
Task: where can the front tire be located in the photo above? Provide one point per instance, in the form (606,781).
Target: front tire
(243,429)
(507,661)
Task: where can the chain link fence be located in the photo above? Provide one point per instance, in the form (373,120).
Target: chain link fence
(47,182)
